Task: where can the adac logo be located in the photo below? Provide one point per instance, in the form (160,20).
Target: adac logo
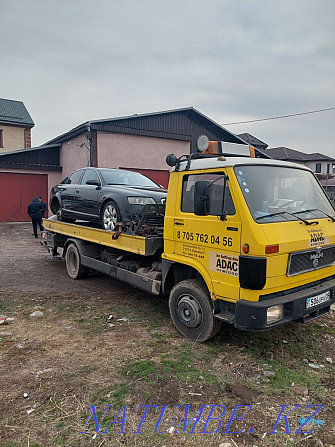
(314,257)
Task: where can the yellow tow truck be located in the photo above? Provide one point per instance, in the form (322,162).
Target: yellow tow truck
(246,241)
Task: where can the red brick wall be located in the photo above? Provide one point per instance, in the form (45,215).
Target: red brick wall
(28,138)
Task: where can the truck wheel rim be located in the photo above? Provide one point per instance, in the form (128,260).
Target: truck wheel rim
(110,218)
(189,311)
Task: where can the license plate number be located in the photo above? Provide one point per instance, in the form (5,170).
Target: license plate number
(318,299)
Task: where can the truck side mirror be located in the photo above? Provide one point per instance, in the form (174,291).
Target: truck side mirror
(209,198)
(201,197)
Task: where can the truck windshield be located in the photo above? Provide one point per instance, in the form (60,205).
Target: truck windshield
(291,192)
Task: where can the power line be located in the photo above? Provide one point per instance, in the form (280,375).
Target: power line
(278,117)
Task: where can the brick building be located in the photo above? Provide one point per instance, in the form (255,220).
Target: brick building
(15,126)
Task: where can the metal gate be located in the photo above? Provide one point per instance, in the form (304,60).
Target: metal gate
(17,191)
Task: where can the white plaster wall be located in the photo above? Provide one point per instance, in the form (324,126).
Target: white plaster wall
(312,165)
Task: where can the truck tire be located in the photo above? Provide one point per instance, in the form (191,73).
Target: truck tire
(73,264)
(191,310)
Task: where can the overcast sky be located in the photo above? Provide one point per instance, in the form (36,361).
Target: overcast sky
(71,61)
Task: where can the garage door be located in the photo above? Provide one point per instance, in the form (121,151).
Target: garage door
(17,191)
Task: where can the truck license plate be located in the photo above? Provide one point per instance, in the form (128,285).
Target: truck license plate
(318,299)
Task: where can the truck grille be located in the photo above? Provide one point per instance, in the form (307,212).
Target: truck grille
(309,260)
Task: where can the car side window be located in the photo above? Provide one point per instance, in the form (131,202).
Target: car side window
(90,174)
(74,178)
(187,201)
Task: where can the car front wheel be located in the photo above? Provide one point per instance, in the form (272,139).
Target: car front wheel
(110,216)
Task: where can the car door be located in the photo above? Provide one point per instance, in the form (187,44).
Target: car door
(68,191)
(87,194)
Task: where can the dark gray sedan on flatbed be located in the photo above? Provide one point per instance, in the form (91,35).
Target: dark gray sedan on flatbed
(104,196)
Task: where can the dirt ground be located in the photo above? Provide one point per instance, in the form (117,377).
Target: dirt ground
(100,342)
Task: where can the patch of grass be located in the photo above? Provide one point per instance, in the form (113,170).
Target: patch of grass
(71,307)
(114,395)
(182,364)
(7,305)
(146,394)
(143,369)
(158,335)
(10,444)
(285,376)
(122,390)
(321,329)
(214,347)
(143,309)
(95,324)
(60,440)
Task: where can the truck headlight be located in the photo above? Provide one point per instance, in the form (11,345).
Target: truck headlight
(140,200)
(274,313)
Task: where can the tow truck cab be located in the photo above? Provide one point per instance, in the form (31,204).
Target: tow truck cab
(260,233)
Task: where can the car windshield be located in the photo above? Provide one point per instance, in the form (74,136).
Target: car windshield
(280,193)
(121,177)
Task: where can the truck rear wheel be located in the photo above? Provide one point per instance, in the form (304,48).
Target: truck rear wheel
(191,310)
(74,267)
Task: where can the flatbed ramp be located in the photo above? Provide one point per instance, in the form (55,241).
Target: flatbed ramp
(141,245)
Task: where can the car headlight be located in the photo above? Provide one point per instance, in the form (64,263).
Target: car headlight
(274,313)
(140,200)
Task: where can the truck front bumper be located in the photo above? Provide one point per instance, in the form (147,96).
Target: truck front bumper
(253,315)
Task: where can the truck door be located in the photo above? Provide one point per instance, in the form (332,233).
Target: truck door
(209,240)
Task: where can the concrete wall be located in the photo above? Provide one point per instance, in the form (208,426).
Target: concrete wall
(133,151)
(72,156)
(13,138)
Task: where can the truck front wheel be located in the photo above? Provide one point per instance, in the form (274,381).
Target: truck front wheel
(191,310)
(73,264)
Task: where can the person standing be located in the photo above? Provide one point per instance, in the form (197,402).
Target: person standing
(35,213)
(44,208)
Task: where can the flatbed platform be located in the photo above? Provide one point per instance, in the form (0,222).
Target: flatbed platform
(141,245)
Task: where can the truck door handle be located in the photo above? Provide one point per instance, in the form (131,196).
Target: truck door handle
(77,190)
(179,222)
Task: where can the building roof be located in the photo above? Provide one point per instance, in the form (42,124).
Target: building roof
(185,124)
(44,158)
(285,153)
(175,124)
(319,157)
(250,139)
(14,112)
